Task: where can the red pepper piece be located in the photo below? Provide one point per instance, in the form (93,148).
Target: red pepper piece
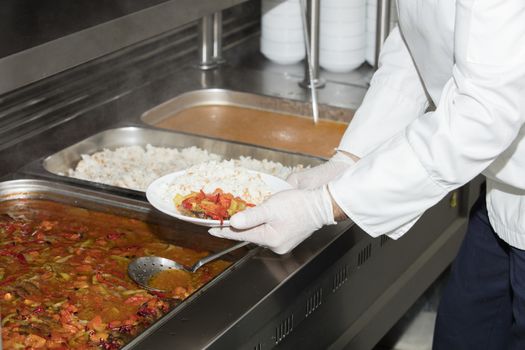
(112,236)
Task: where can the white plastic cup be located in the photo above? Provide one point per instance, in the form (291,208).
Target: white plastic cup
(343,14)
(371,11)
(341,3)
(341,61)
(370,55)
(282,53)
(342,34)
(280,7)
(342,43)
(282,37)
(283,22)
(343,28)
(371,25)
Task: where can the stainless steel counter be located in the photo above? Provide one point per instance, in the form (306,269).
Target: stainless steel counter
(339,289)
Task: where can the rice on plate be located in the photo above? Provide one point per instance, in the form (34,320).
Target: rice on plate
(225,175)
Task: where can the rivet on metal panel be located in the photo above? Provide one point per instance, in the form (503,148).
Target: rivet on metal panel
(454,199)
(340,278)
(364,255)
(285,328)
(314,301)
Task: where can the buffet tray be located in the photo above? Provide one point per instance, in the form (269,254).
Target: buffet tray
(173,231)
(59,163)
(179,232)
(265,121)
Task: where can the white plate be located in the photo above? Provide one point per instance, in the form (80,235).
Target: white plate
(159,198)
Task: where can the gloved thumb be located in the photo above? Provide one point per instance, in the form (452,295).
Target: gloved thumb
(293,180)
(249,218)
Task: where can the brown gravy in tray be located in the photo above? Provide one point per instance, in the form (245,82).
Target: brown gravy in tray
(258,127)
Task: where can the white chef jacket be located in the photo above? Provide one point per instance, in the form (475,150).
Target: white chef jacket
(468,57)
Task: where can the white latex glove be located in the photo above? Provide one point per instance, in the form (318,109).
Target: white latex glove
(282,221)
(321,174)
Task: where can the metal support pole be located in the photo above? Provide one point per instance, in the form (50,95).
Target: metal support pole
(217,37)
(382,26)
(313,9)
(206,60)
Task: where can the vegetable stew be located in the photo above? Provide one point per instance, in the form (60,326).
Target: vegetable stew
(216,206)
(63,276)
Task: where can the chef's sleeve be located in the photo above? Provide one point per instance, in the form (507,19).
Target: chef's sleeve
(479,115)
(395,98)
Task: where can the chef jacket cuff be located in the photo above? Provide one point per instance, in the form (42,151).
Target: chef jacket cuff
(387,191)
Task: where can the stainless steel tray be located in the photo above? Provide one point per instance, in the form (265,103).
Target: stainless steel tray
(60,162)
(223,97)
(180,233)
(276,123)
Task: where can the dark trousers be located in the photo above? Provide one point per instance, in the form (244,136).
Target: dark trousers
(483,303)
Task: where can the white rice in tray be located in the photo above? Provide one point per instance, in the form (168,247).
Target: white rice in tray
(136,167)
(224,175)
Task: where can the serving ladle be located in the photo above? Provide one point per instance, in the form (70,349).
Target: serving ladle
(142,269)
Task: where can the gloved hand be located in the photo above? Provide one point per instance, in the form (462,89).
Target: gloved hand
(282,221)
(321,174)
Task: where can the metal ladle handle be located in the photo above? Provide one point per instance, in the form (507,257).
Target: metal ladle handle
(309,59)
(212,257)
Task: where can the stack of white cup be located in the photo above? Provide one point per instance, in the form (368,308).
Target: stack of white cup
(282,37)
(371,23)
(342,34)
